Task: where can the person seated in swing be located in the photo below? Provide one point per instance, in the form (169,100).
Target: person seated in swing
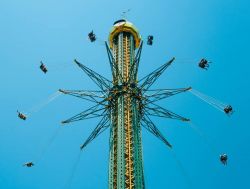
(150,40)
(204,64)
(29,164)
(228,109)
(92,36)
(21,115)
(223,159)
(43,68)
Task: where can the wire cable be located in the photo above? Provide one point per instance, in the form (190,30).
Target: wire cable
(48,144)
(72,174)
(182,169)
(209,100)
(42,104)
(204,137)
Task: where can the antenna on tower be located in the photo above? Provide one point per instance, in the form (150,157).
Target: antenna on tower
(124,13)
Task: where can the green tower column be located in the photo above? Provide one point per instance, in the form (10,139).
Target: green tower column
(125,166)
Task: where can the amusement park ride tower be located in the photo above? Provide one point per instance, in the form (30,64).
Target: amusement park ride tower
(126,169)
(125,104)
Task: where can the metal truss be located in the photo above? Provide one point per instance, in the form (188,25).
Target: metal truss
(150,126)
(134,68)
(105,98)
(114,67)
(97,110)
(159,94)
(99,80)
(158,111)
(101,127)
(93,96)
(149,79)
(111,59)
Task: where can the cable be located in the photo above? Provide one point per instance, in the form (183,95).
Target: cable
(38,107)
(70,179)
(46,147)
(186,61)
(210,100)
(58,66)
(182,169)
(100,41)
(221,104)
(202,135)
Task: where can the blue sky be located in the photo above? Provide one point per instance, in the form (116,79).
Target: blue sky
(56,32)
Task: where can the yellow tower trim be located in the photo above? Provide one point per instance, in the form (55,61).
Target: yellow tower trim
(124,26)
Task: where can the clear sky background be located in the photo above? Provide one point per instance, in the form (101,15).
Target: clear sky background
(56,32)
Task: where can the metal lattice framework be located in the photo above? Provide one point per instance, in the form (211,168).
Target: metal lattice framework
(124,105)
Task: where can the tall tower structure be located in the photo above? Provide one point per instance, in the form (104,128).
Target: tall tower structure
(124,105)
(125,165)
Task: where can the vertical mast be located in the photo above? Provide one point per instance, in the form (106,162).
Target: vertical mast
(125,166)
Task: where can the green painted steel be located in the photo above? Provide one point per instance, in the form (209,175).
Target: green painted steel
(125,104)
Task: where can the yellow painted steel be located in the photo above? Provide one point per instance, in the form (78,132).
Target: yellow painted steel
(128,127)
(124,27)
